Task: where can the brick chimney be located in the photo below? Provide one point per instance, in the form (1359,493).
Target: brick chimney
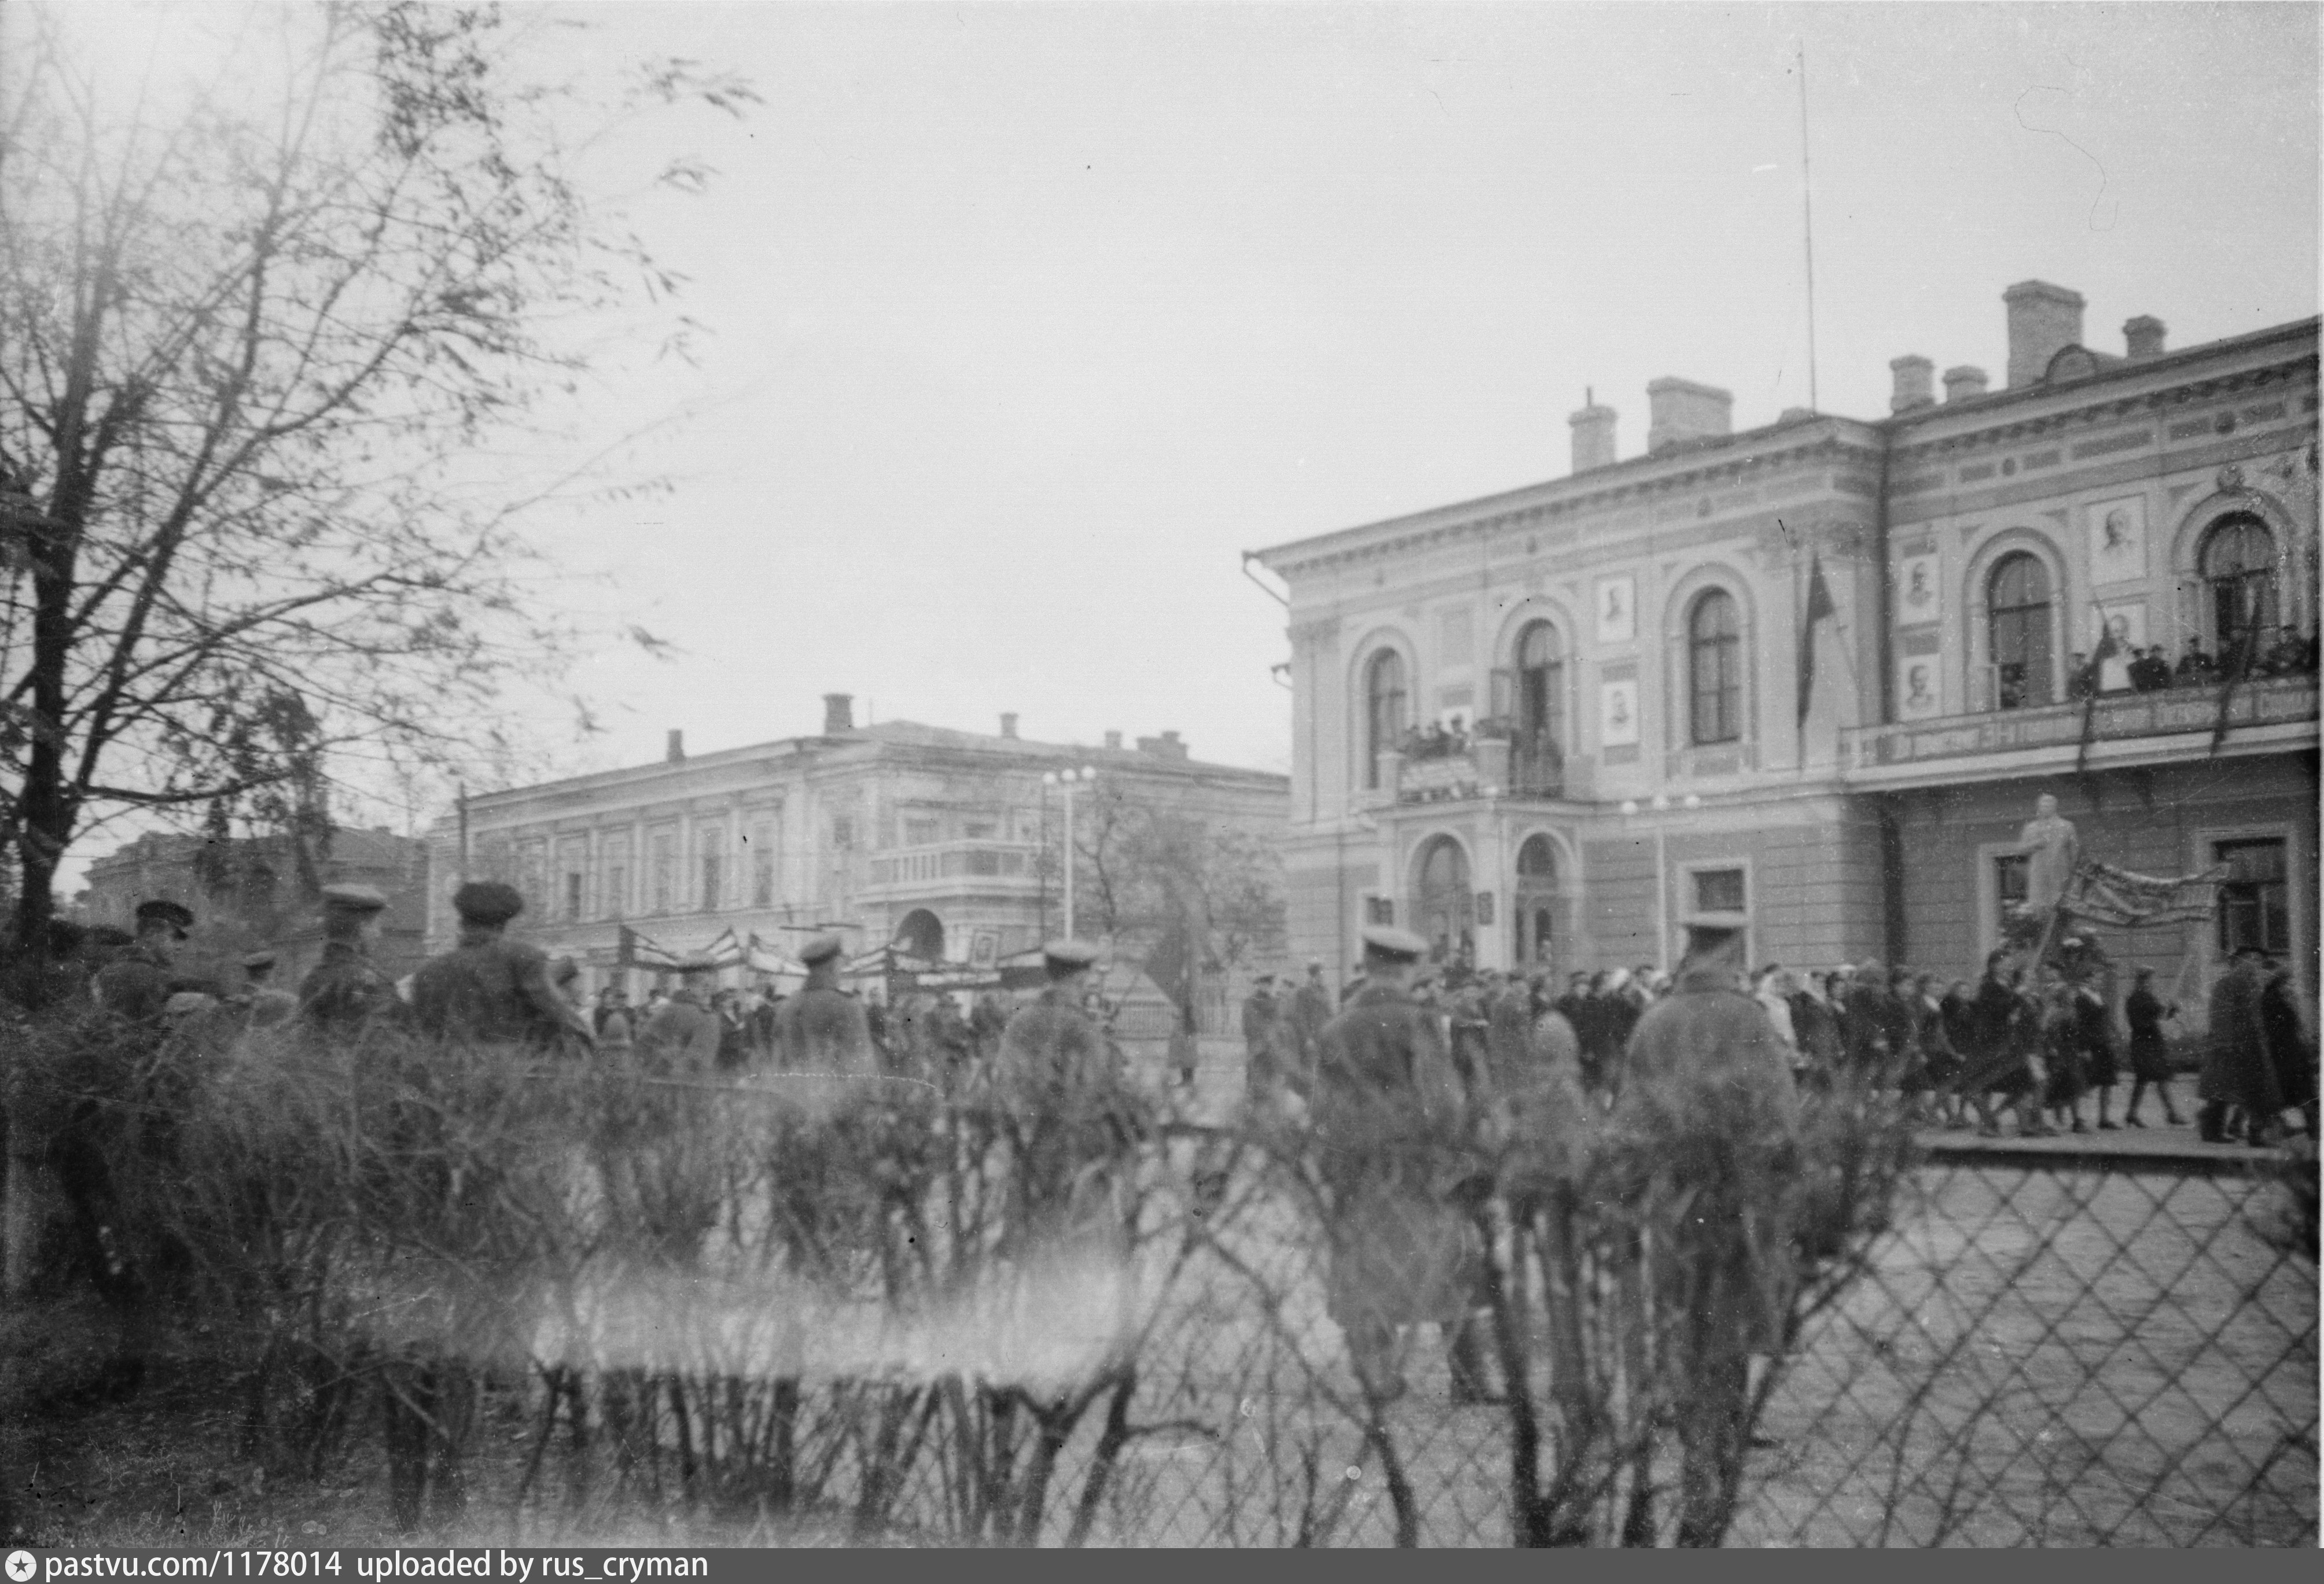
(838,713)
(676,752)
(2143,336)
(2043,321)
(1964,381)
(1912,373)
(1008,725)
(1166,746)
(1680,409)
(1593,434)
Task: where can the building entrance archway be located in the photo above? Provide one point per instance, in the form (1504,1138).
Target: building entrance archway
(1444,902)
(1534,903)
(922,934)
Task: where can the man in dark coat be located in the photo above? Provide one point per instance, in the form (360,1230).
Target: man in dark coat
(823,1029)
(1311,1008)
(684,1037)
(1704,1142)
(1073,1118)
(2288,1048)
(138,983)
(490,989)
(1870,1025)
(342,992)
(2237,1071)
(1259,1016)
(1391,1121)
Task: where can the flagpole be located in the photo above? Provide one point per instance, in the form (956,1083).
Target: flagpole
(1807,222)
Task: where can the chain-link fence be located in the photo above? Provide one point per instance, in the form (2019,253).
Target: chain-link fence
(910,1313)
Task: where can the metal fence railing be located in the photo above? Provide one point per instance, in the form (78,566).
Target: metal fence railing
(920,1317)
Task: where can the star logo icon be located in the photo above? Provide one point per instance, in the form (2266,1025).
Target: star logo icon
(21,1566)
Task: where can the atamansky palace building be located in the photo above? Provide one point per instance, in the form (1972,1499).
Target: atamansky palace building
(1622,647)
(948,844)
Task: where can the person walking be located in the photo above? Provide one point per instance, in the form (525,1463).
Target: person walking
(1389,1121)
(2150,1056)
(1703,1144)
(2237,1071)
(2289,1049)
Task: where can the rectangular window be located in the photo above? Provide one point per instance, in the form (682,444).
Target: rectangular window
(2009,872)
(979,830)
(762,863)
(665,871)
(1380,910)
(2254,906)
(614,855)
(710,850)
(920,833)
(1718,891)
(572,896)
(843,833)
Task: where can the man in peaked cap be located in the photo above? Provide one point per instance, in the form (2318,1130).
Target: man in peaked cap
(1060,1078)
(681,1038)
(1311,1008)
(270,1004)
(139,982)
(490,989)
(1391,1118)
(823,1029)
(344,991)
(1704,1139)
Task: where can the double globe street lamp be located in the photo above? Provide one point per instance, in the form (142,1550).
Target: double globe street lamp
(1069,779)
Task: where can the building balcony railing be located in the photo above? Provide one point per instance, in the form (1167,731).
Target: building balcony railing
(2056,730)
(939,861)
(1489,765)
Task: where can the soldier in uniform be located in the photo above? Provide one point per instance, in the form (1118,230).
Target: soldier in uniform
(1059,1080)
(344,991)
(682,1037)
(1258,1018)
(1389,1119)
(138,983)
(1311,1008)
(1704,1140)
(823,1029)
(490,989)
(269,1004)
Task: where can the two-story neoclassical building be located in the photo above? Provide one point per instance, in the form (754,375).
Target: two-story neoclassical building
(1649,725)
(947,843)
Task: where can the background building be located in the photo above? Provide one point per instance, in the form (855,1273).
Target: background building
(1624,651)
(249,892)
(949,844)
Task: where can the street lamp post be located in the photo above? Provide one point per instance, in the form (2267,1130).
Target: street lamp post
(1069,779)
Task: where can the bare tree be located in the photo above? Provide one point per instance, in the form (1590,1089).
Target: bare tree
(256,347)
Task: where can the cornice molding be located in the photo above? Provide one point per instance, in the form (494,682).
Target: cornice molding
(2112,409)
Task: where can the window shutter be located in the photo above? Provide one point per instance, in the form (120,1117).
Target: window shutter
(1501,698)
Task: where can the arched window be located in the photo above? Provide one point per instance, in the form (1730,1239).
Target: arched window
(1533,907)
(1541,687)
(1537,859)
(2017,603)
(1384,710)
(1714,641)
(2238,569)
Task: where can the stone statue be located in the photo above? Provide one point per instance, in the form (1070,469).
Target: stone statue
(2048,842)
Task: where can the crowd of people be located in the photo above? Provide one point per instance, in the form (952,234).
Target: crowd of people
(2151,670)
(2048,1058)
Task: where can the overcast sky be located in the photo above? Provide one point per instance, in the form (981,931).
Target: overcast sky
(1028,320)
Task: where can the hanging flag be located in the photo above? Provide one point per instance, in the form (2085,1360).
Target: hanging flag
(1820,609)
(725,951)
(2237,665)
(761,958)
(2089,678)
(2104,894)
(640,952)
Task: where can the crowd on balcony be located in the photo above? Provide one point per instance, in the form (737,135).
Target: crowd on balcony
(2150,670)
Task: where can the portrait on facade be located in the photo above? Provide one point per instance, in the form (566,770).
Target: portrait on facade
(1916,590)
(2118,533)
(1618,713)
(983,948)
(2126,620)
(1918,691)
(1618,609)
